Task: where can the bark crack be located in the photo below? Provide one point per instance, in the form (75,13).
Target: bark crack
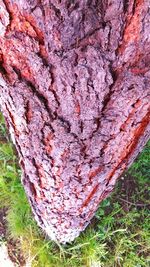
(39,95)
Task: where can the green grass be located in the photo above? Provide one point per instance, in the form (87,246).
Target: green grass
(118,235)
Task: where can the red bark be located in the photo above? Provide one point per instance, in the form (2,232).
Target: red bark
(74,89)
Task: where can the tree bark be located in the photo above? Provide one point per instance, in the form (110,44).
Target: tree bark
(74,90)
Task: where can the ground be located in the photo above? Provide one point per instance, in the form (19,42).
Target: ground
(118,235)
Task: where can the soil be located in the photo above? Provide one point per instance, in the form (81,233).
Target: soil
(2,224)
(13,246)
(128,186)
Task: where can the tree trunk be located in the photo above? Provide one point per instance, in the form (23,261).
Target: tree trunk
(74,86)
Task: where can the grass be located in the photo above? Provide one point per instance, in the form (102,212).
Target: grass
(118,235)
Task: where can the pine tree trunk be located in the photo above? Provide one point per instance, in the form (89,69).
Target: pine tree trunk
(74,86)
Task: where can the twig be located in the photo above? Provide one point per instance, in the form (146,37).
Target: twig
(137,204)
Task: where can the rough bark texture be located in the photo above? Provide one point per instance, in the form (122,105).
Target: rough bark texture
(74,89)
